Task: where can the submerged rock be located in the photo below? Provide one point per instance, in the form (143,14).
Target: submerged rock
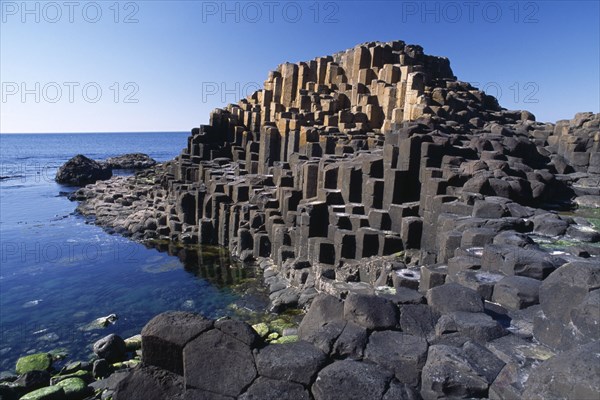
(100,323)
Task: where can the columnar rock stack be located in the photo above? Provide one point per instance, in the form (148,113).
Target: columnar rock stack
(375,177)
(371,152)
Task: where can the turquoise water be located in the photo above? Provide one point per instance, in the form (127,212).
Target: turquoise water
(58,272)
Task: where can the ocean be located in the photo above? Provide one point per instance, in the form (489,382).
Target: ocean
(59,272)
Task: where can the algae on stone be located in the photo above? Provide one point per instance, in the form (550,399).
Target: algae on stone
(74,388)
(34,362)
(46,393)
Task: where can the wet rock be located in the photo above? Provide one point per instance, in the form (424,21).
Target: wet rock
(351,380)
(47,393)
(33,380)
(100,323)
(398,352)
(34,362)
(101,369)
(112,348)
(262,329)
(74,388)
(130,161)
(80,170)
(294,362)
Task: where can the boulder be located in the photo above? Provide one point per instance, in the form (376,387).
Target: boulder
(454,297)
(398,352)
(351,380)
(574,374)
(218,363)
(46,393)
(101,369)
(572,281)
(271,389)
(112,348)
(399,391)
(370,311)
(130,161)
(589,201)
(293,362)
(165,336)
(34,362)
(149,383)
(418,320)
(351,342)
(478,327)
(74,388)
(517,292)
(455,372)
(80,171)
(33,380)
(549,224)
(239,330)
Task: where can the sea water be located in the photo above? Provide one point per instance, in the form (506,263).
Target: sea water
(59,272)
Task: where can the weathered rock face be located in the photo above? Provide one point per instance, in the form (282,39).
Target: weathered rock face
(80,170)
(131,161)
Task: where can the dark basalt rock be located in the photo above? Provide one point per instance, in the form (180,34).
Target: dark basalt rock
(130,161)
(574,374)
(112,348)
(80,170)
(402,354)
(293,362)
(149,383)
(272,389)
(351,380)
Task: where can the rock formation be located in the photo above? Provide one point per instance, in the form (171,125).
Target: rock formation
(377,177)
(80,170)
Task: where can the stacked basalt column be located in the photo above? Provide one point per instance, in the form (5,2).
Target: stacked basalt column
(319,166)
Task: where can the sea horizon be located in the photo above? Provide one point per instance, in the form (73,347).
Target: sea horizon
(89,133)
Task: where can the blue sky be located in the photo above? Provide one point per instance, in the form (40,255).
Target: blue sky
(163,66)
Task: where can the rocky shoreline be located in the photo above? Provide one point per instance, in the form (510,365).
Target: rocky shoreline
(443,246)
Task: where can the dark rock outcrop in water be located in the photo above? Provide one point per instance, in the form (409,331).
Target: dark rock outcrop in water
(409,200)
(131,161)
(80,170)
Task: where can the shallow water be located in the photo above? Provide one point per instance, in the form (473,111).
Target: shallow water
(58,272)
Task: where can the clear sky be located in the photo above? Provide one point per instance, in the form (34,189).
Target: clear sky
(71,66)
